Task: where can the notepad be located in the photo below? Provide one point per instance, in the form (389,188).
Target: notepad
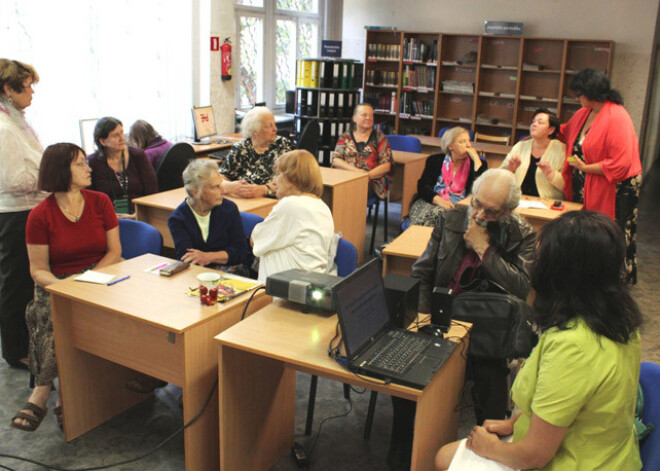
(91,276)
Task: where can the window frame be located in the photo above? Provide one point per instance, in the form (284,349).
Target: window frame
(271,15)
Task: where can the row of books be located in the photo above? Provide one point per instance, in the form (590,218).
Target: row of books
(383,51)
(324,104)
(411,105)
(381,102)
(415,50)
(382,78)
(327,73)
(419,76)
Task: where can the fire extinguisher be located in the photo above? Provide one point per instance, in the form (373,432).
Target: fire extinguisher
(226,59)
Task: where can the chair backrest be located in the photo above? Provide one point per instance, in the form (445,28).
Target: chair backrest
(404,143)
(346,258)
(138,238)
(405,224)
(172,165)
(309,138)
(442,131)
(649,378)
(249,220)
(480,137)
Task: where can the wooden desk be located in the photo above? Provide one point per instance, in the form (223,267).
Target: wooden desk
(345,193)
(156,209)
(256,367)
(147,324)
(408,168)
(495,153)
(537,217)
(401,253)
(211,147)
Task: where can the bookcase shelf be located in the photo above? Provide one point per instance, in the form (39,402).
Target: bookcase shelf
(510,76)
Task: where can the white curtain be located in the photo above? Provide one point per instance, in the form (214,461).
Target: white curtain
(131,59)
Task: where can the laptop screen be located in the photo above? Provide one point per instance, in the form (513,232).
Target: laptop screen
(361,306)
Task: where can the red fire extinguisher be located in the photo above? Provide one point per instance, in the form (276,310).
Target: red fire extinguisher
(226,59)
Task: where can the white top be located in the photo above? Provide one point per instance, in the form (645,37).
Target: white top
(554,155)
(20,156)
(202,221)
(298,233)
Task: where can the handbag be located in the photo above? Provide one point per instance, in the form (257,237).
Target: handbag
(501,326)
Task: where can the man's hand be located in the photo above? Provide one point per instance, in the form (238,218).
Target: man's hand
(477,237)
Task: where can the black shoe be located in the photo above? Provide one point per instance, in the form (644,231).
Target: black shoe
(19,365)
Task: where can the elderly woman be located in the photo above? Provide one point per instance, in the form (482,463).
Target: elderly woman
(535,160)
(143,135)
(248,168)
(364,149)
(70,231)
(577,390)
(207,228)
(119,171)
(446,179)
(299,231)
(21,153)
(602,168)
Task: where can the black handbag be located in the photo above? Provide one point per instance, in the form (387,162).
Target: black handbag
(501,326)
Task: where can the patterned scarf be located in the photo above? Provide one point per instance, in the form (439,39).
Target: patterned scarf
(451,186)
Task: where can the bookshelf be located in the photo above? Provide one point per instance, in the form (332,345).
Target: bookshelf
(421,82)
(327,90)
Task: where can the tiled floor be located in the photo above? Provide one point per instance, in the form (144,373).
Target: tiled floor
(339,446)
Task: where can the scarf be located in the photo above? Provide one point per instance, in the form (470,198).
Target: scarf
(451,186)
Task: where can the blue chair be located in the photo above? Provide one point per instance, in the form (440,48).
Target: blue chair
(649,378)
(138,238)
(404,143)
(346,258)
(405,224)
(249,220)
(442,131)
(523,137)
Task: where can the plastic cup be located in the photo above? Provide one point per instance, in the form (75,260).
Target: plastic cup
(208,288)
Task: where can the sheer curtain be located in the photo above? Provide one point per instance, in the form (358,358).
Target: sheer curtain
(128,59)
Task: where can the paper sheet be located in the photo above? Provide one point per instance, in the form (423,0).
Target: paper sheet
(91,276)
(532,204)
(467,460)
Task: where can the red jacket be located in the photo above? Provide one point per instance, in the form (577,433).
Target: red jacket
(612,142)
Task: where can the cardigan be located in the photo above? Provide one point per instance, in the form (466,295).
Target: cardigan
(611,141)
(432,171)
(554,155)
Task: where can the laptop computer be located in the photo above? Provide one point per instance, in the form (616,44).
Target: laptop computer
(374,347)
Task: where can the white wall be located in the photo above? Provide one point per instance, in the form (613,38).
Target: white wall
(630,23)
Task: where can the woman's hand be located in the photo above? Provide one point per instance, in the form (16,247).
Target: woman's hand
(547,170)
(232,187)
(514,163)
(440,201)
(132,216)
(482,442)
(248,190)
(502,428)
(197,257)
(474,155)
(576,162)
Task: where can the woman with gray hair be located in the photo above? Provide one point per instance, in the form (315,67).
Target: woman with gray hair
(248,168)
(206,228)
(446,179)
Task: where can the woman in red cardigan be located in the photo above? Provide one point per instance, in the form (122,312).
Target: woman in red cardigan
(602,169)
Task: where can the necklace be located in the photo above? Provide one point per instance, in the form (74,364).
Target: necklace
(75,218)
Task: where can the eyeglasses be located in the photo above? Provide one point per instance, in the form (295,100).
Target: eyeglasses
(489,212)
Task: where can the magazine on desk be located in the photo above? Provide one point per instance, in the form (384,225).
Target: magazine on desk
(229,287)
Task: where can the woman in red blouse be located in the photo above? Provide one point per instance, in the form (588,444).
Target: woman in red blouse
(70,231)
(602,168)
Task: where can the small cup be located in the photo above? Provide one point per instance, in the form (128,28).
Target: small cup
(208,288)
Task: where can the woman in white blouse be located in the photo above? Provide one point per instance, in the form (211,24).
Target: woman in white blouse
(299,231)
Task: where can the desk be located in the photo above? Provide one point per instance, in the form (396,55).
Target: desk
(408,168)
(345,193)
(401,253)
(537,218)
(206,148)
(495,153)
(257,363)
(156,209)
(147,324)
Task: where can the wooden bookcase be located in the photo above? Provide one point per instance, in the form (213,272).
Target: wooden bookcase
(486,83)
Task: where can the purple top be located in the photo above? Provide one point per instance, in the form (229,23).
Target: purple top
(156,149)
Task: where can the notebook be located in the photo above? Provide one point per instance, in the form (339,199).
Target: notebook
(370,338)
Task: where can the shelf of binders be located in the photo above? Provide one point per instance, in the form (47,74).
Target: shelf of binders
(344,74)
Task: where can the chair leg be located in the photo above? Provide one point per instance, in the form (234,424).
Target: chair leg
(374,226)
(347,391)
(385,227)
(370,415)
(310,405)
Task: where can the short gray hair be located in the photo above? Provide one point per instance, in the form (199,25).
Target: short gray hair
(450,136)
(197,173)
(501,176)
(253,120)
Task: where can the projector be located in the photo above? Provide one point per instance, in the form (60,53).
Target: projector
(304,287)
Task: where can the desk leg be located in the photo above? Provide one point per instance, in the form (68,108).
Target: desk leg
(438,412)
(92,389)
(412,172)
(257,404)
(348,203)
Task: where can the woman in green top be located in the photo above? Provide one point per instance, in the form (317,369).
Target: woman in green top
(576,392)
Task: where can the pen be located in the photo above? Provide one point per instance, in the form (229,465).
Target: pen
(158,267)
(114,282)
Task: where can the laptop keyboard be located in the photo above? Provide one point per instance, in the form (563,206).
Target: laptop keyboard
(399,353)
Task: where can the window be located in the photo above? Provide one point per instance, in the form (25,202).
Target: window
(272,35)
(127,59)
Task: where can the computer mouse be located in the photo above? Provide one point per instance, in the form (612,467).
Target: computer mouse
(432,330)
